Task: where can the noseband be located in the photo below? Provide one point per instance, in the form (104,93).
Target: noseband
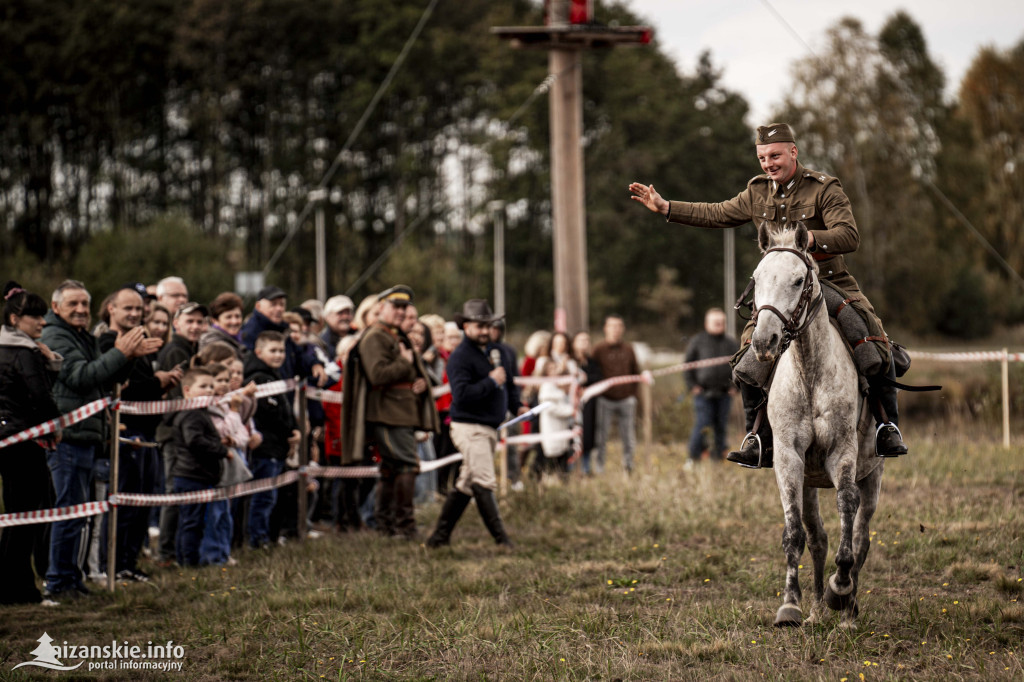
(792,327)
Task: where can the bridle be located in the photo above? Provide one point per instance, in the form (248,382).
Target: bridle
(792,327)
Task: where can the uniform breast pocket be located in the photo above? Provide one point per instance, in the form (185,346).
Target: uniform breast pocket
(806,214)
(762,213)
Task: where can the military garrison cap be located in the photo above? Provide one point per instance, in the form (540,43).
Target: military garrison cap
(397,295)
(775,132)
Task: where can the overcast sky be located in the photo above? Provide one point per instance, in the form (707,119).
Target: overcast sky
(755,49)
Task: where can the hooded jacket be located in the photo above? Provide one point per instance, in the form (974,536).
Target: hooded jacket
(26,381)
(273,418)
(195,445)
(86,375)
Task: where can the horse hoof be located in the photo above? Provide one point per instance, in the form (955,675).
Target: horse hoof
(789,615)
(836,599)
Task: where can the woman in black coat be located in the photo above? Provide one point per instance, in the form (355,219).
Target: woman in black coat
(27,372)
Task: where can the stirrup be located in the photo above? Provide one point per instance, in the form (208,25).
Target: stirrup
(751,438)
(879,431)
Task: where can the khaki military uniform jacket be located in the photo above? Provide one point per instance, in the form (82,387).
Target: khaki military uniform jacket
(816,199)
(378,389)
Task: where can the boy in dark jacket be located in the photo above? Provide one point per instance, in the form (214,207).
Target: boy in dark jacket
(198,451)
(274,419)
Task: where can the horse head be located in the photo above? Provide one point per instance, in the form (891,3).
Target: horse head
(784,283)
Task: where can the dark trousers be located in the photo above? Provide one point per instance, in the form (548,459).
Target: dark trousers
(135,475)
(27,487)
(710,412)
(191,519)
(168,514)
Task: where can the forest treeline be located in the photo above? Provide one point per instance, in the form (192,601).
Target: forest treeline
(141,139)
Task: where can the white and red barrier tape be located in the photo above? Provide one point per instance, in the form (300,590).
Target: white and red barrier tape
(51,515)
(130,407)
(530,438)
(165,406)
(200,496)
(976,356)
(63,421)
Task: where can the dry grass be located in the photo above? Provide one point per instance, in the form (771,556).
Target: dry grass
(665,575)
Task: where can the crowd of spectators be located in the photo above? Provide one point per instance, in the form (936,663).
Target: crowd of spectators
(155,343)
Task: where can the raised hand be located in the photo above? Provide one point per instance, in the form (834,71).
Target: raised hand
(649,197)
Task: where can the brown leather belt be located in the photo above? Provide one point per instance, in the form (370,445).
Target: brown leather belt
(405,385)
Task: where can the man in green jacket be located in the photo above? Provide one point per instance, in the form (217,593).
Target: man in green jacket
(788,193)
(387,401)
(85,376)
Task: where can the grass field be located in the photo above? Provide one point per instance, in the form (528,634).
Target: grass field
(666,575)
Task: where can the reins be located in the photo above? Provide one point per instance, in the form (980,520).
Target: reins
(792,327)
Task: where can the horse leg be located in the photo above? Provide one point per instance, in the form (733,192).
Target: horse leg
(817,542)
(869,488)
(793,539)
(841,591)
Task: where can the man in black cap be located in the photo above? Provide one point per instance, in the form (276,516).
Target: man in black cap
(480,375)
(386,402)
(788,193)
(268,315)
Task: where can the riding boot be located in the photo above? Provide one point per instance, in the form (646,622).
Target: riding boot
(405,509)
(882,400)
(451,512)
(487,505)
(350,503)
(383,510)
(756,450)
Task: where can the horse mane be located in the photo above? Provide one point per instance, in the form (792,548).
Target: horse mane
(771,235)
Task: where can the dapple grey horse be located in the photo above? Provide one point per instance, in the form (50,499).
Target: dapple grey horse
(822,427)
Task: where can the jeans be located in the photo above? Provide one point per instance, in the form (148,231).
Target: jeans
(426,484)
(624,412)
(168,513)
(71,466)
(262,504)
(135,475)
(713,412)
(190,523)
(215,547)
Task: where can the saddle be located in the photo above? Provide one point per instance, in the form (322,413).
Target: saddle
(866,341)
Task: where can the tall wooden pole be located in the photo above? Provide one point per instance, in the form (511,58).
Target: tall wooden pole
(570,237)
(565,37)
(114,482)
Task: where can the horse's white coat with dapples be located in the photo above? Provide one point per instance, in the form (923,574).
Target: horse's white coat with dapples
(823,433)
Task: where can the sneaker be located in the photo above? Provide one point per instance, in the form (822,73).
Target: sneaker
(73,592)
(132,575)
(314,534)
(98,576)
(232,561)
(518,487)
(49,603)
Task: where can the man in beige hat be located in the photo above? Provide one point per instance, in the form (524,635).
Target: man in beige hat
(785,194)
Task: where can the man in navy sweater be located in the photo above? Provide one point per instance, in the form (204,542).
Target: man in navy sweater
(482,392)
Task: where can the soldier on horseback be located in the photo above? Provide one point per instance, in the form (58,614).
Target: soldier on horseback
(785,194)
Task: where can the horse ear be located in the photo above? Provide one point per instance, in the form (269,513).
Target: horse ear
(764,235)
(801,238)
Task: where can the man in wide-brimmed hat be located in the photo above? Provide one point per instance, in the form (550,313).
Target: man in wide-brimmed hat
(386,402)
(482,393)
